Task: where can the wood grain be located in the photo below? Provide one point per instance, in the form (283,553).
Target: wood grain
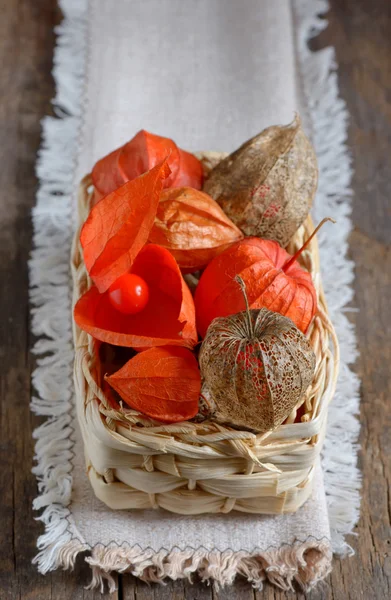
(361,34)
(26,49)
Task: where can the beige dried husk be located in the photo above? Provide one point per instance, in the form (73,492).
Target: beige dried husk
(195,467)
(256,365)
(267,186)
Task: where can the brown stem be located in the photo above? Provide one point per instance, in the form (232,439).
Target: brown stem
(243,288)
(206,401)
(304,246)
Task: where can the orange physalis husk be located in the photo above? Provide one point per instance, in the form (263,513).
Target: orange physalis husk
(193,227)
(190,171)
(119,225)
(141,154)
(168,318)
(260,264)
(273,279)
(163,383)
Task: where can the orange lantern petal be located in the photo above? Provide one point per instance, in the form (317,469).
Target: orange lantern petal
(168,318)
(259,263)
(107,176)
(193,227)
(119,225)
(190,172)
(163,383)
(144,152)
(141,154)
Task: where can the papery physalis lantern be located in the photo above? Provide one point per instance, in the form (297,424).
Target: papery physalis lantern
(273,278)
(162,383)
(257,366)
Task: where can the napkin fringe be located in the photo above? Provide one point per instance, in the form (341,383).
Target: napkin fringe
(50,292)
(301,565)
(305,563)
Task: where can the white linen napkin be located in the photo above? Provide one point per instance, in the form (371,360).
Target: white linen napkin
(209,74)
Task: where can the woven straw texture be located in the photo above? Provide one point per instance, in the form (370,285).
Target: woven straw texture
(191,468)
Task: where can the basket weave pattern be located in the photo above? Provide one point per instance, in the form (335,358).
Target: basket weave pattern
(191,468)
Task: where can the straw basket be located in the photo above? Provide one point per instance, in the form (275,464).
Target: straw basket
(190,468)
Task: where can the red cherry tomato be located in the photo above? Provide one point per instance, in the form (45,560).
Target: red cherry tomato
(129,294)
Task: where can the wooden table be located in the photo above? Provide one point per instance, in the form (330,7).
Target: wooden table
(361,33)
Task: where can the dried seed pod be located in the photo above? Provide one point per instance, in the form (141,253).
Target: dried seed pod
(257,366)
(266,187)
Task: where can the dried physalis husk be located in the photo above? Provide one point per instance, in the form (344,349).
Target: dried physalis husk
(257,366)
(266,187)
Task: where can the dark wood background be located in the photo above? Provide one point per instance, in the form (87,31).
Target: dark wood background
(361,34)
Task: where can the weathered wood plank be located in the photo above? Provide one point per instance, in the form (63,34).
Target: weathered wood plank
(26,33)
(361,33)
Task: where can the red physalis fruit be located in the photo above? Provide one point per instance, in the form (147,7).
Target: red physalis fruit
(162,383)
(119,226)
(129,294)
(167,319)
(141,154)
(272,277)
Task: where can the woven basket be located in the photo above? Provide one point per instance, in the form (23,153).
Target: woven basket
(190,468)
